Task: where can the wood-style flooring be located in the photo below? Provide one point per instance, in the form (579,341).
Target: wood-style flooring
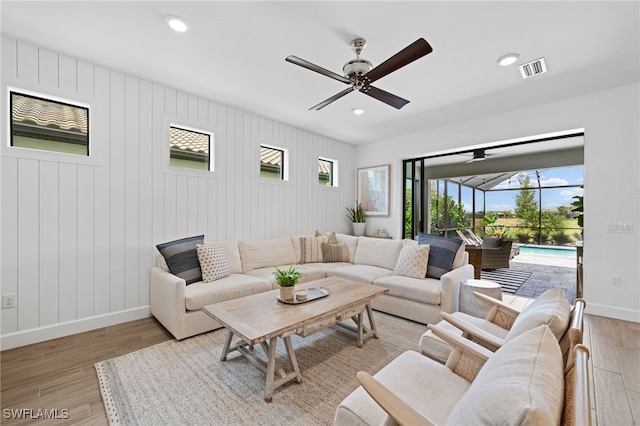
(59,374)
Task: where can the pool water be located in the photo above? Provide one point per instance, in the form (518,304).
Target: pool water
(549,250)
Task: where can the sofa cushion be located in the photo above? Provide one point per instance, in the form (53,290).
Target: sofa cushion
(335,252)
(182,258)
(262,253)
(442,254)
(522,383)
(213,262)
(491,242)
(377,252)
(424,290)
(311,249)
(412,261)
(361,273)
(199,295)
(417,380)
(308,274)
(232,253)
(351,242)
(551,308)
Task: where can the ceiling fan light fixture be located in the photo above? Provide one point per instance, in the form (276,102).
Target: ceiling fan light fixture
(508,59)
(357,111)
(357,67)
(176,23)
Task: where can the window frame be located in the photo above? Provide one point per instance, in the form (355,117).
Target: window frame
(284,178)
(333,177)
(191,126)
(92,105)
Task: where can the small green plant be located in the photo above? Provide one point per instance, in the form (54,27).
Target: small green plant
(356,215)
(287,277)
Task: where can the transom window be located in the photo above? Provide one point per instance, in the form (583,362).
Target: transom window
(273,162)
(327,172)
(48,125)
(190,148)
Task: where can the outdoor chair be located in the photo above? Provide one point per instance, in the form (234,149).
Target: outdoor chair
(522,382)
(503,323)
(496,253)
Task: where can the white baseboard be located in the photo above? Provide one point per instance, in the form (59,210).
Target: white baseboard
(41,334)
(612,312)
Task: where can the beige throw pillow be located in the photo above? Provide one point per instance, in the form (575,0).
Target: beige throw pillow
(311,249)
(413,261)
(551,308)
(335,252)
(213,262)
(331,237)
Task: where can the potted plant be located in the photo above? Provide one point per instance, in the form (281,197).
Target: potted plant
(287,279)
(356,215)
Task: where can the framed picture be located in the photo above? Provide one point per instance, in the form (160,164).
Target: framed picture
(373,190)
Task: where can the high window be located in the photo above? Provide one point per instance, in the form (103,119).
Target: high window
(327,172)
(274,162)
(190,148)
(48,125)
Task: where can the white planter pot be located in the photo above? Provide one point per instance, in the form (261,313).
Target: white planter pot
(358,228)
(286,293)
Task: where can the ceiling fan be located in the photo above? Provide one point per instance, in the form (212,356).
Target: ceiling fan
(481,154)
(360,73)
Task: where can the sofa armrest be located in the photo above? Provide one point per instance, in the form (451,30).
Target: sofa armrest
(450,287)
(400,412)
(167,300)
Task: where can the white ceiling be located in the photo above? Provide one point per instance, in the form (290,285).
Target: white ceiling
(235,53)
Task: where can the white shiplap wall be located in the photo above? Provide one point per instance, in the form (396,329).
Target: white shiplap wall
(78,240)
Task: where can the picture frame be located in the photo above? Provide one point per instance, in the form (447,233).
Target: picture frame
(373,189)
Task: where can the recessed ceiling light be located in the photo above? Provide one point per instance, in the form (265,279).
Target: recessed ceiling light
(357,111)
(177,23)
(508,59)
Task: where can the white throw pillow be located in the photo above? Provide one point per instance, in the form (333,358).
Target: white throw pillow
(213,262)
(551,308)
(413,261)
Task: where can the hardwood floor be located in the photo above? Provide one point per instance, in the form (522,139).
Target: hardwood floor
(59,374)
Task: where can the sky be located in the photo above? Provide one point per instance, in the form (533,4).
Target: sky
(551,198)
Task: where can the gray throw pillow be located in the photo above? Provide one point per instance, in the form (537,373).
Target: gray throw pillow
(182,258)
(441,254)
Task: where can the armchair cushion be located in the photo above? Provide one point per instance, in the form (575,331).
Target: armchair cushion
(551,308)
(519,384)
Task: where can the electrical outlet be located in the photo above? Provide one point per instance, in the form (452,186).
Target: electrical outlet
(615,280)
(9,300)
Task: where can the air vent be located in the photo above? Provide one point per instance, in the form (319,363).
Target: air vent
(533,68)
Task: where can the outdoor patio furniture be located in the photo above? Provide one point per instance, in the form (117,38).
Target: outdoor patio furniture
(496,253)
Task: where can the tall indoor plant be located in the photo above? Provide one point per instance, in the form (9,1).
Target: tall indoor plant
(356,215)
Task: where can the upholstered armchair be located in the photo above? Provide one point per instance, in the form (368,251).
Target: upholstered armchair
(496,252)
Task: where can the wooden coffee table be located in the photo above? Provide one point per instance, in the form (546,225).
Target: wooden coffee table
(260,319)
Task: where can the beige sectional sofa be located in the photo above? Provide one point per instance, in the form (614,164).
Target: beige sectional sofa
(251,264)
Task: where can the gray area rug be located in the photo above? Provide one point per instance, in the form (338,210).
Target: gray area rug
(509,279)
(185,383)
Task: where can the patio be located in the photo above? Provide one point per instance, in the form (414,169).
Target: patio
(546,272)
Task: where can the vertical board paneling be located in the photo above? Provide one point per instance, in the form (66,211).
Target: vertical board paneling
(68,226)
(9,240)
(117,194)
(146,217)
(49,243)
(83,237)
(28,256)
(132,191)
(86,241)
(102,203)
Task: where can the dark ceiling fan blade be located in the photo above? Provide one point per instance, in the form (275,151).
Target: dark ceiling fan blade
(388,98)
(331,99)
(414,51)
(313,67)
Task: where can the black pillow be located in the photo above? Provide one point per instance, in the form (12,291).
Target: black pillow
(441,254)
(182,258)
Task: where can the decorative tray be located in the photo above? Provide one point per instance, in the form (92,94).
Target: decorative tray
(312,294)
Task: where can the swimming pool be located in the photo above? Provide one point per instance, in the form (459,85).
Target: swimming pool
(549,250)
